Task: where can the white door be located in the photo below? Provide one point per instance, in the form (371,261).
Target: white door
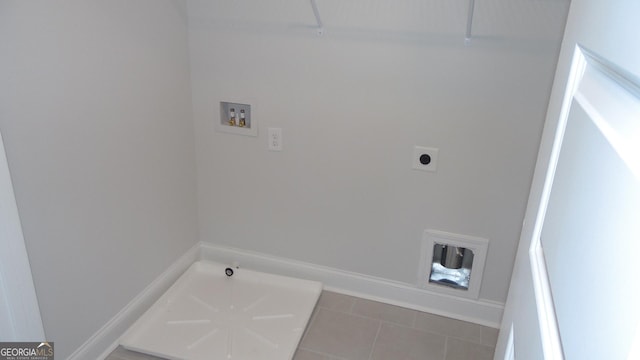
(19,312)
(574,291)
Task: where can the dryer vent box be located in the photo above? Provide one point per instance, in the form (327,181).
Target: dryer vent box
(452,263)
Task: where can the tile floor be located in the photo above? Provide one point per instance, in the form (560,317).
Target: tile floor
(349,328)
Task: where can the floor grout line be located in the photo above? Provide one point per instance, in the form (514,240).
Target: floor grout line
(332,356)
(353,305)
(375,339)
(426,331)
(415,319)
(446,339)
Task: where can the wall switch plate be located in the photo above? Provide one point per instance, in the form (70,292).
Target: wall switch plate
(425,158)
(274,136)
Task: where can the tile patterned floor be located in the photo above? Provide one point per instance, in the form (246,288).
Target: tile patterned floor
(349,328)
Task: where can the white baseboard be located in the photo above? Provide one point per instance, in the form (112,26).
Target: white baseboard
(105,340)
(482,312)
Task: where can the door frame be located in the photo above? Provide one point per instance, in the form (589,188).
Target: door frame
(549,333)
(20,318)
(547,320)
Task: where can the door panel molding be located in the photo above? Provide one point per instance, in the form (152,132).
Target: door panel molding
(549,332)
(610,97)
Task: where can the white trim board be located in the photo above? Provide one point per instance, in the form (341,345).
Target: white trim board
(106,339)
(481,312)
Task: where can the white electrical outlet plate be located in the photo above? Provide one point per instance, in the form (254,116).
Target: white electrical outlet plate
(274,137)
(425,158)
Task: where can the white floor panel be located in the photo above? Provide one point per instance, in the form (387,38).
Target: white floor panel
(209,315)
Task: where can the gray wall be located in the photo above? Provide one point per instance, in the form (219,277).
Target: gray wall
(352,104)
(95,112)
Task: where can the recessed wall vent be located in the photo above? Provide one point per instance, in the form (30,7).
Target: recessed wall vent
(452,263)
